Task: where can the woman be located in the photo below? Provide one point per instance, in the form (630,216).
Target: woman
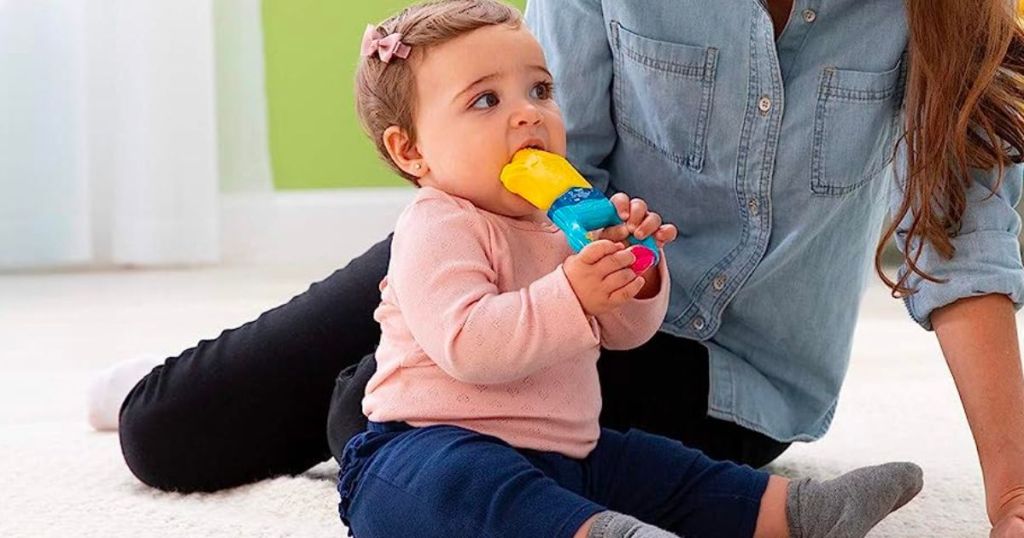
(763,129)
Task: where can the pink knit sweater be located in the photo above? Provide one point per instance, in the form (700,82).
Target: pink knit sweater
(481,329)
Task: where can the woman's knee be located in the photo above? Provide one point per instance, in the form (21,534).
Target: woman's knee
(146,437)
(203,441)
(158,441)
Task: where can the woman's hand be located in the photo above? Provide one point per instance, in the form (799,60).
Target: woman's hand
(1009,518)
(641,223)
(1011,526)
(638,221)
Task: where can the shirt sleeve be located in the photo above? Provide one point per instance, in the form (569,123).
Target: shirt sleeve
(575,42)
(445,286)
(987,258)
(637,321)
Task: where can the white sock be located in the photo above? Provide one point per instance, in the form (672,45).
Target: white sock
(108,389)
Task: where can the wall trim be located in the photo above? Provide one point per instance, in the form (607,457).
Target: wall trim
(307,227)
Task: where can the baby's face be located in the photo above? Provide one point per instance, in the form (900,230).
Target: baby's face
(480,98)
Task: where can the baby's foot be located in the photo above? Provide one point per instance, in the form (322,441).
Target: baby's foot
(852,504)
(109,388)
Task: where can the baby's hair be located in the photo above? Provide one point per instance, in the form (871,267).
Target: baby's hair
(386,91)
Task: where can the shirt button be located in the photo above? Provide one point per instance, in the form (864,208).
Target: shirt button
(753,207)
(718,283)
(810,15)
(698,323)
(764,104)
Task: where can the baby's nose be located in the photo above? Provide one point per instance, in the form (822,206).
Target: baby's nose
(527,115)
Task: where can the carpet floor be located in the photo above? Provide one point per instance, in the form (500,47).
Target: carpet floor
(60,478)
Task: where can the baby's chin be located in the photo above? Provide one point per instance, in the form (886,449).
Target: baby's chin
(515,207)
(517,212)
(522,207)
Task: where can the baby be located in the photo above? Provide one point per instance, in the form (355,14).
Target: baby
(483,411)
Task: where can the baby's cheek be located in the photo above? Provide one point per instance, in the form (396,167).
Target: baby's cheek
(556,132)
(560,150)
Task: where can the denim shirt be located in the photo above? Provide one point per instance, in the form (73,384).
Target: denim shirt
(774,158)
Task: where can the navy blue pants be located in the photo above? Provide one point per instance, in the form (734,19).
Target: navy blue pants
(446,481)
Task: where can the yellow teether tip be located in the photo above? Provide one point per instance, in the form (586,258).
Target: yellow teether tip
(540,177)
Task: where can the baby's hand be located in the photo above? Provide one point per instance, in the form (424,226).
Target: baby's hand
(601,276)
(638,221)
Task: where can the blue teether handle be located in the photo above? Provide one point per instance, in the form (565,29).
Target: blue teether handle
(580,211)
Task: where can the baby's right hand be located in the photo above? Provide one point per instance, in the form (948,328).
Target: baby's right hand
(601,276)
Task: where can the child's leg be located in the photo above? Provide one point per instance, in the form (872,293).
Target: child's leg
(664,483)
(443,481)
(771,517)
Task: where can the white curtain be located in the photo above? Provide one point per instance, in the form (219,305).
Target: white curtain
(242,130)
(108,143)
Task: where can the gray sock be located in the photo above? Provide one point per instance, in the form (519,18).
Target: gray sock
(851,504)
(615,525)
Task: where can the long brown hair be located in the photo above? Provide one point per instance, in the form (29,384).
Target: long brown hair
(963,106)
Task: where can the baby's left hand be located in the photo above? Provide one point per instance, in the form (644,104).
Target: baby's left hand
(638,221)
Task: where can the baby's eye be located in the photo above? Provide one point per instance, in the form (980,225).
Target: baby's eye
(485,101)
(542,91)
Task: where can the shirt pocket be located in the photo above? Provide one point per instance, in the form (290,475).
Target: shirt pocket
(855,124)
(663,93)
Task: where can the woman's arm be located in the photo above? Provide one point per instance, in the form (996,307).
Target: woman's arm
(978,336)
(972,311)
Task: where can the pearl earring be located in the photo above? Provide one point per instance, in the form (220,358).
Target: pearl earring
(417,166)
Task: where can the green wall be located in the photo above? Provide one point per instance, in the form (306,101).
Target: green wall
(312,48)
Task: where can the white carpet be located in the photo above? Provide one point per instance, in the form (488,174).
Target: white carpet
(57,478)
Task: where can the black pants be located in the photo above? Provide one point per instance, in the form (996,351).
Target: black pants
(254,402)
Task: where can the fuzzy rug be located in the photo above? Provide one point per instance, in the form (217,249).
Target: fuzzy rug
(59,478)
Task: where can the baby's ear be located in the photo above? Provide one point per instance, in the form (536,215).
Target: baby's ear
(404,153)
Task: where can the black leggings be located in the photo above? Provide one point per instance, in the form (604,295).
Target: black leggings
(253,403)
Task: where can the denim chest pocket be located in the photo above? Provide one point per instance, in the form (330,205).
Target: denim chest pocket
(855,125)
(663,93)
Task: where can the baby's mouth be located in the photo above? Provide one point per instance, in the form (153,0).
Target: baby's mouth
(533,143)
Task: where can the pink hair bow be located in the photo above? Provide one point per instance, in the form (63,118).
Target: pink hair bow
(384,47)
